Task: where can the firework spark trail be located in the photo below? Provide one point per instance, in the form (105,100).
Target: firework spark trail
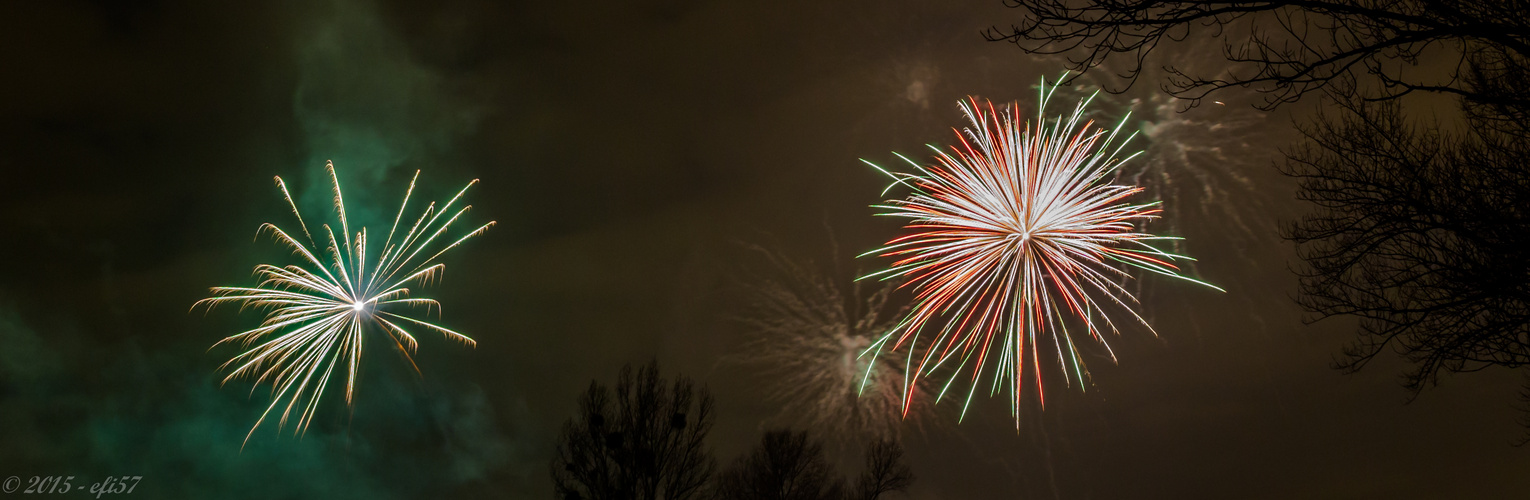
(809,337)
(1016,231)
(316,314)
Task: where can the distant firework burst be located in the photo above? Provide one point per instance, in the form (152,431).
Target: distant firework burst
(1016,234)
(809,338)
(1208,162)
(319,312)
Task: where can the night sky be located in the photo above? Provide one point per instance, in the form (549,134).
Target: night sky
(630,152)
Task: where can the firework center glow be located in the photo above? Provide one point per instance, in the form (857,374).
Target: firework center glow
(359,306)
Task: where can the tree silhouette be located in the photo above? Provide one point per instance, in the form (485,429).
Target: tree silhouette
(789,465)
(785,466)
(1286,48)
(1423,234)
(642,442)
(1421,227)
(885,472)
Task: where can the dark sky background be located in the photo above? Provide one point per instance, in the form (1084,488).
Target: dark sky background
(628,151)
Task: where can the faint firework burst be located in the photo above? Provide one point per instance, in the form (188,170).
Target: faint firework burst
(1207,160)
(1015,234)
(318,314)
(810,337)
(1212,164)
